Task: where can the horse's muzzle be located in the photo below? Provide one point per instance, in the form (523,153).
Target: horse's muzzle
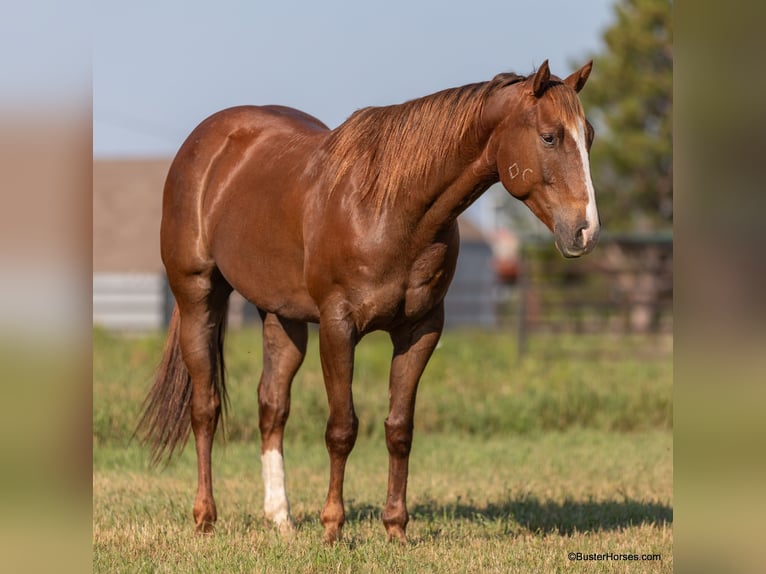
(576,241)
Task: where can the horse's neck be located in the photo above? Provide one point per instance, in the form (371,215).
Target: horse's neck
(462,182)
(468,176)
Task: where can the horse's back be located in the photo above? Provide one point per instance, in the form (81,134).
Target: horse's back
(229,136)
(234,198)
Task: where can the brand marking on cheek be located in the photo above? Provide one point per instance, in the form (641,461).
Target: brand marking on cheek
(515,170)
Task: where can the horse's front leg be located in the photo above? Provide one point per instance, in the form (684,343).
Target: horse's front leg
(337,340)
(413,346)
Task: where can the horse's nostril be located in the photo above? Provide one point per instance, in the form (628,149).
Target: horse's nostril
(580,233)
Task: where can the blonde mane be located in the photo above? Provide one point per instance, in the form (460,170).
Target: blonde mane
(398,147)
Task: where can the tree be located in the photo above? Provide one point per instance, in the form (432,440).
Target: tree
(629,100)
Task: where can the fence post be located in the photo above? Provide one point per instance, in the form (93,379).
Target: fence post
(523,282)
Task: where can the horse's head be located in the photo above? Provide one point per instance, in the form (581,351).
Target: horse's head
(543,140)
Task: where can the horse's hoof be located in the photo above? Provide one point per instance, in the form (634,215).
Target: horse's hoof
(286,529)
(205,515)
(332,535)
(205,527)
(397,535)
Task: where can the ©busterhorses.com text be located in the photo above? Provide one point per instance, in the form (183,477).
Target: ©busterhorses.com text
(612,556)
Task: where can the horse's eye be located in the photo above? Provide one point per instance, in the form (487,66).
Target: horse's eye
(548,139)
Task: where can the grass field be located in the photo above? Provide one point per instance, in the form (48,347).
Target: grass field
(516,463)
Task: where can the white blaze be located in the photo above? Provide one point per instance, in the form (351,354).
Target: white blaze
(275,505)
(591,212)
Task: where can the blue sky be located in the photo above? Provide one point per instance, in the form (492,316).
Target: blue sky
(160,67)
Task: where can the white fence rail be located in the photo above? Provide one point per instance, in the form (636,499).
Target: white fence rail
(138,302)
(129,301)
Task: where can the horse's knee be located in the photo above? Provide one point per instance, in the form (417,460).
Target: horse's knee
(398,436)
(340,435)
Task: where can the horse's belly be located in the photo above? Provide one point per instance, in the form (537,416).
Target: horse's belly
(272,288)
(264,263)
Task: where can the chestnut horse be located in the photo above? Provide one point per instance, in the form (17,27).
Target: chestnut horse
(354,228)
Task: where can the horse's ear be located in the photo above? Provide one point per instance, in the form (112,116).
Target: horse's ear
(577,79)
(540,81)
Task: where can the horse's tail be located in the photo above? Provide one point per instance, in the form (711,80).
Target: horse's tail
(166,423)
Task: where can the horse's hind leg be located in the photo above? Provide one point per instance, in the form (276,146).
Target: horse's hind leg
(284,346)
(202,300)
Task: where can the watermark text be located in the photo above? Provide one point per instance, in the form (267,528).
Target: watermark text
(612,556)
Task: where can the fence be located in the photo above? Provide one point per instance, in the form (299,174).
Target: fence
(126,302)
(129,301)
(624,286)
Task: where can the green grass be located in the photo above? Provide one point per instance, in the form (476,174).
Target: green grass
(499,505)
(515,464)
(474,384)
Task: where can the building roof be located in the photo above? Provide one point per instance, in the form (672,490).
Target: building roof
(127,206)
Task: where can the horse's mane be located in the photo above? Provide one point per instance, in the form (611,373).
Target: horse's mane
(396,147)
